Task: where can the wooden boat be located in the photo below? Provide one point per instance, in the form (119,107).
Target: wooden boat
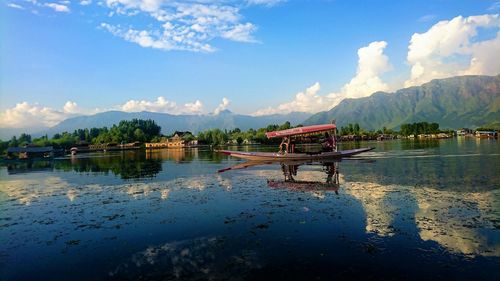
(276,156)
(288,153)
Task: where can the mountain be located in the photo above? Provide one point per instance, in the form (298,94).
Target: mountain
(7,133)
(170,123)
(462,101)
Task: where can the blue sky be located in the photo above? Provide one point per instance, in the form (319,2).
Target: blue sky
(64,58)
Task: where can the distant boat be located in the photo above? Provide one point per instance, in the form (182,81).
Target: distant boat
(288,154)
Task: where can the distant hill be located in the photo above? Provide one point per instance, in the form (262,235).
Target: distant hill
(463,101)
(171,123)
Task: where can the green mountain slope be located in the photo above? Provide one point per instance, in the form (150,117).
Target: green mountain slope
(464,101)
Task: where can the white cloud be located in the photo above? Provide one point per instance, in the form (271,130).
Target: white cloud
(187,26)
(222,106)
(25,115)
(265,2)
(427,18)
(15,6)
(305,101)
(58,7)
(169,25)
(240,33)
(161,105)
(72,108)
(371,63)
(494,6)
(194,107)
(452,48)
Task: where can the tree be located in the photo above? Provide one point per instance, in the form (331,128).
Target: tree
(356,129)
(13,142)
(139,135)
(285,126)
(24,139)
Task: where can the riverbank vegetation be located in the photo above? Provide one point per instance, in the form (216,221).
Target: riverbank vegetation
(138,130)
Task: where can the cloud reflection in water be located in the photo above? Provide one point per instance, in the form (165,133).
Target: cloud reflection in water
(204,258)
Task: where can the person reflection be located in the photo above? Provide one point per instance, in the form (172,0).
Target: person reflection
(290,172)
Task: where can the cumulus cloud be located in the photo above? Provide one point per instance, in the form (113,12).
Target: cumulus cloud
(85,2)
(161,105)
(305,101)
(71,107)
(194,107)
(372,62)
(25,115)
(452,47)
(449,48)
(222,106)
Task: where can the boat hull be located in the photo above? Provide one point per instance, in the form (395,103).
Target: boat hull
(273,156)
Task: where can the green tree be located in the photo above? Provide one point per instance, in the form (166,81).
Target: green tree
(139,135)
(13,142)
(24,139)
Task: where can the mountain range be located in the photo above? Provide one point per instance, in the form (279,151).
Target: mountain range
(171,123)
(457,102)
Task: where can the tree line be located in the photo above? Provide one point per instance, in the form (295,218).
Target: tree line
(148,131)
(237,136)
(123,132)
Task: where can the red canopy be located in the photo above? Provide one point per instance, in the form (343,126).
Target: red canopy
(300,131)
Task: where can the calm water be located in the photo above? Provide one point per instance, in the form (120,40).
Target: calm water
(407,210)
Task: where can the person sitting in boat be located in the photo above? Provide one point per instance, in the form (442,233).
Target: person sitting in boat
(328,142)
(284,145)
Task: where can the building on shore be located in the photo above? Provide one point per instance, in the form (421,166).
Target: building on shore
(464,132)
(434,136)
(174,142)
(486,134)
(82,148)
(29,152)
(382,137)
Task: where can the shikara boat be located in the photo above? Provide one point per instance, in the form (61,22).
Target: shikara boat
(292,156)
(275,156)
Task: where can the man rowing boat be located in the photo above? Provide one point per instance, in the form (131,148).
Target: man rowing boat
(287,149)
(329,143)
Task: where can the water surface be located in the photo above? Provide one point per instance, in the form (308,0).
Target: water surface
(406,210)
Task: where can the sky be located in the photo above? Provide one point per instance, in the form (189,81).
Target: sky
(61,59)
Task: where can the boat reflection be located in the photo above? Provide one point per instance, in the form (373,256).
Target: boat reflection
(290,171)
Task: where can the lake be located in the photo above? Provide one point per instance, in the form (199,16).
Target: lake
(408,210)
